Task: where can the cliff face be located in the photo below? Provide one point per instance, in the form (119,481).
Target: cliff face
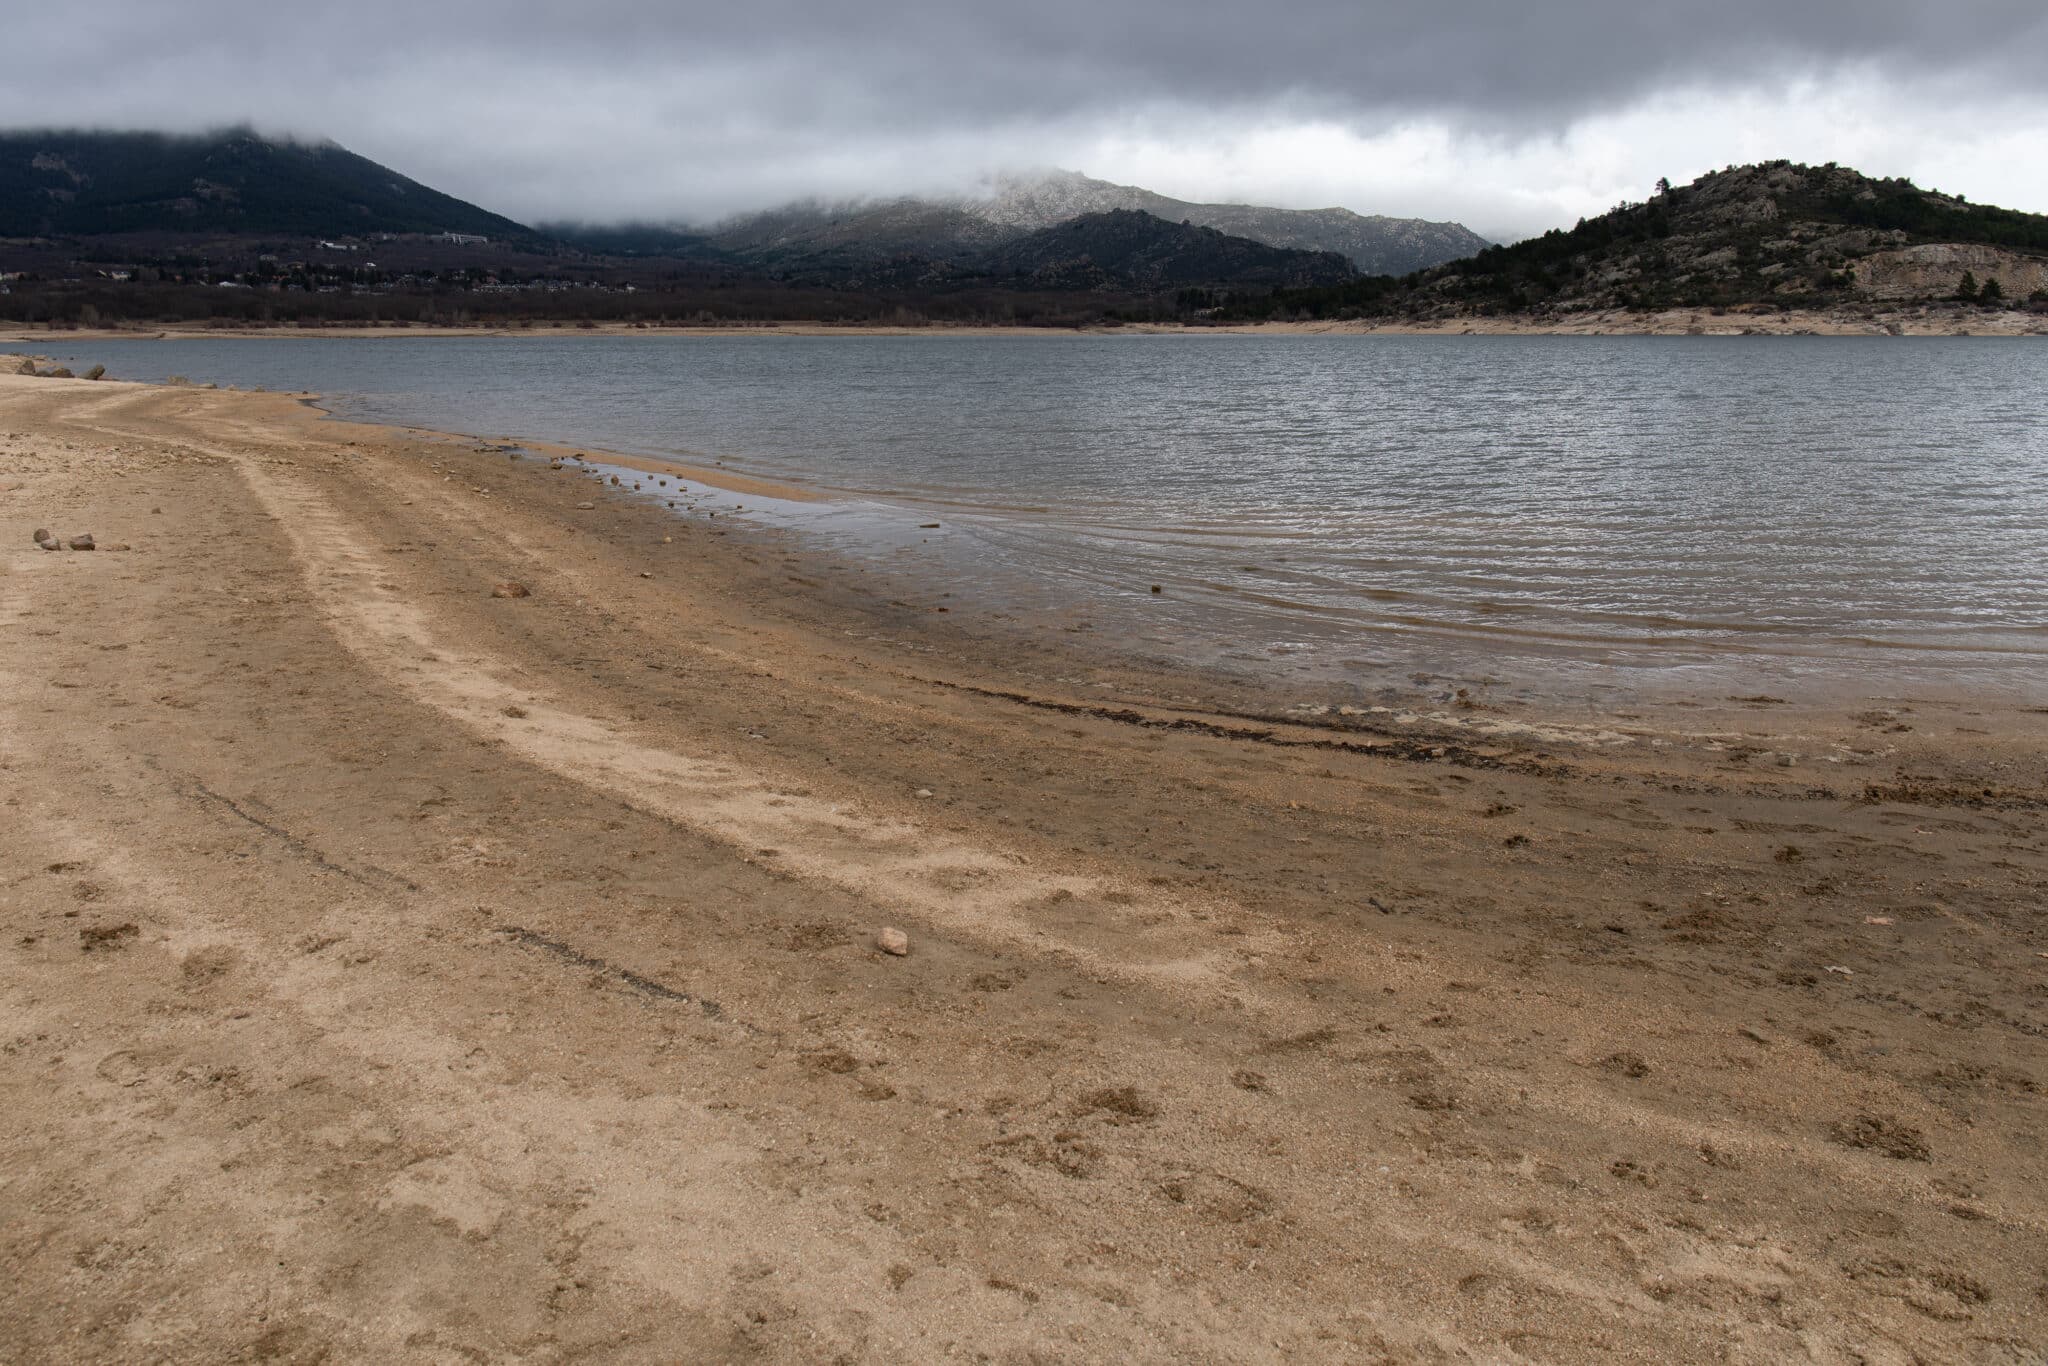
(1936,269)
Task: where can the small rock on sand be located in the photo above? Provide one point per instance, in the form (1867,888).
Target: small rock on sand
(893,941)
(118,545)
(510,590)
(585,507)
(42,534)
(84,542)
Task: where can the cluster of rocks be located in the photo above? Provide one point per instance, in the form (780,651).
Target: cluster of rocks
(28,366)
(47,540)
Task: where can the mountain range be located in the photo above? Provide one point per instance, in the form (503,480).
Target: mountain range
(236,183)
(149,225)
(56,183)
(805,236)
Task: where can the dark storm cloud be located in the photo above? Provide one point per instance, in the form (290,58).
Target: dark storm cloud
(547,107)
(919,59)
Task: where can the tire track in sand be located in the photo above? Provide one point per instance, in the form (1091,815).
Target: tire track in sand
(902,868)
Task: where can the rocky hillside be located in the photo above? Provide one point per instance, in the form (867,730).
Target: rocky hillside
(76,184)
(810,238)
(914,244)
(1375,244)
(1124,249)
(1771,234)
(815,238)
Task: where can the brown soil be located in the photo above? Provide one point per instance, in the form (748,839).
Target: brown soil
(394,971)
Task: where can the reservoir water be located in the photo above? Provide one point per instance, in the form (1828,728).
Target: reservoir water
(1554,513)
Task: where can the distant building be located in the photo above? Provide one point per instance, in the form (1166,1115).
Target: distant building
(462,239)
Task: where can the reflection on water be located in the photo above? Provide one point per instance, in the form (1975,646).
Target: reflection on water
(1870,512)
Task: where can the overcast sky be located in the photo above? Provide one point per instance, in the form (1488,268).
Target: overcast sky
(1510,117)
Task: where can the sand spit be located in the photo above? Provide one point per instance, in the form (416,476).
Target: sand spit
(398,971)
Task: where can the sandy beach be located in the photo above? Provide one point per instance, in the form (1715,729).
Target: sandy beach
(402,966)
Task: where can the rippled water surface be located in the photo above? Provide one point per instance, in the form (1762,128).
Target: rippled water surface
(1688,512)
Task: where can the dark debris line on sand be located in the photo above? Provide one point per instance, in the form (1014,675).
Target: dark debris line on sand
(294,843)
(646,986)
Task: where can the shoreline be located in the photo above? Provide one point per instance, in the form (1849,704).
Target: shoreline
(1917,320)
(400,962)
(1676,681)
(1443,700)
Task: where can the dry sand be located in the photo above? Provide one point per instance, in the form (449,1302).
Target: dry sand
(396,972)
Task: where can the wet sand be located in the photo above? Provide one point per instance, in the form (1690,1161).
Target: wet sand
(395,971)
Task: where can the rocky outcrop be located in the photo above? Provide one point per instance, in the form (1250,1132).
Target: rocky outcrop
(1935,270)
(1775,235)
